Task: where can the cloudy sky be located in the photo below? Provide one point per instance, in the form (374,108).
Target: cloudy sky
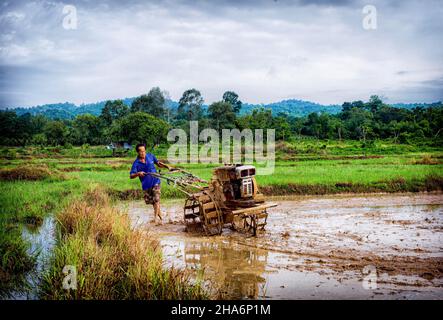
(266,50)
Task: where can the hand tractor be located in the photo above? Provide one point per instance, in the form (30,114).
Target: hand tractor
(231,198)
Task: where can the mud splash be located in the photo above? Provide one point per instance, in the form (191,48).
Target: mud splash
(330,247)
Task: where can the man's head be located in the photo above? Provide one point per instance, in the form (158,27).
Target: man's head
(141,150)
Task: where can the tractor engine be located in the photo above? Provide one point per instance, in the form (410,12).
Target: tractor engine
(236,181)
(243,183)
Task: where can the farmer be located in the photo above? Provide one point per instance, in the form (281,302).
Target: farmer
(150,185)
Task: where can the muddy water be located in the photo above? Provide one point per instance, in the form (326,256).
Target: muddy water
(328,247)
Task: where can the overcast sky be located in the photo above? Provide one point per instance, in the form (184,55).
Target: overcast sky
(265,51)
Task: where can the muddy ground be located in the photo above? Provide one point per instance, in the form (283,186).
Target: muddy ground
(327,247)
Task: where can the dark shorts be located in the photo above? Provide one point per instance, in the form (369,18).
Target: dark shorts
(152,195)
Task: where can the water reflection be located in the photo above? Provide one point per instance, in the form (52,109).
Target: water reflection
(42,241)
(236,272)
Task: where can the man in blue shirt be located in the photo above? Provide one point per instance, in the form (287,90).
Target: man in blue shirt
(150,185)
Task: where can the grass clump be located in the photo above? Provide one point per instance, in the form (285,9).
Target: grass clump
(15,261)
(434,182)
(29,173)
(427,159)
(112,260)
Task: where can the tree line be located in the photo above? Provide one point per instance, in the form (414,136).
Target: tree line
(148,120)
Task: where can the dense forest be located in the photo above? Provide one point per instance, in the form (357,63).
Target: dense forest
(148,118)
(292,107)
(70,111)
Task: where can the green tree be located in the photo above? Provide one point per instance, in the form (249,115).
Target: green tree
(297,125)
(113,110)
(232,98)
(39,139)
(38,122)
(190,105)
(359,123)
(337,128)
(87,129)
(313,126)
(348,106)
(374,104)
(8,132)
(222,115)
(56,132)
(139,127)
(152,103)
(260,118)
(25,128)
(16,130)
(282,128)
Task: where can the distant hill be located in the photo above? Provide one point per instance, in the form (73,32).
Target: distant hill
(69,110)
(291,107)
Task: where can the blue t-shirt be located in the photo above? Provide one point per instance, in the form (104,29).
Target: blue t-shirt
(147,181)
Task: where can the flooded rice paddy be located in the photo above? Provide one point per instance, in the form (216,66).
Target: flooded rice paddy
(325,247)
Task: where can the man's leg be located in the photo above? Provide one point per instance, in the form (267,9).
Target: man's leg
(157,212)
(147,197)
(156,196)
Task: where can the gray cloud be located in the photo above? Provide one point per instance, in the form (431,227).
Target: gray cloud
(327,2)
(263,50)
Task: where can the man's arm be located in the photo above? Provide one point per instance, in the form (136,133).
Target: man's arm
(163,165)
(137,174)
(134,173)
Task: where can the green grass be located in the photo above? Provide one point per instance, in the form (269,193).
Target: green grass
(325,172)
(113,174)
(15,261)
(369,172)
(24,200)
